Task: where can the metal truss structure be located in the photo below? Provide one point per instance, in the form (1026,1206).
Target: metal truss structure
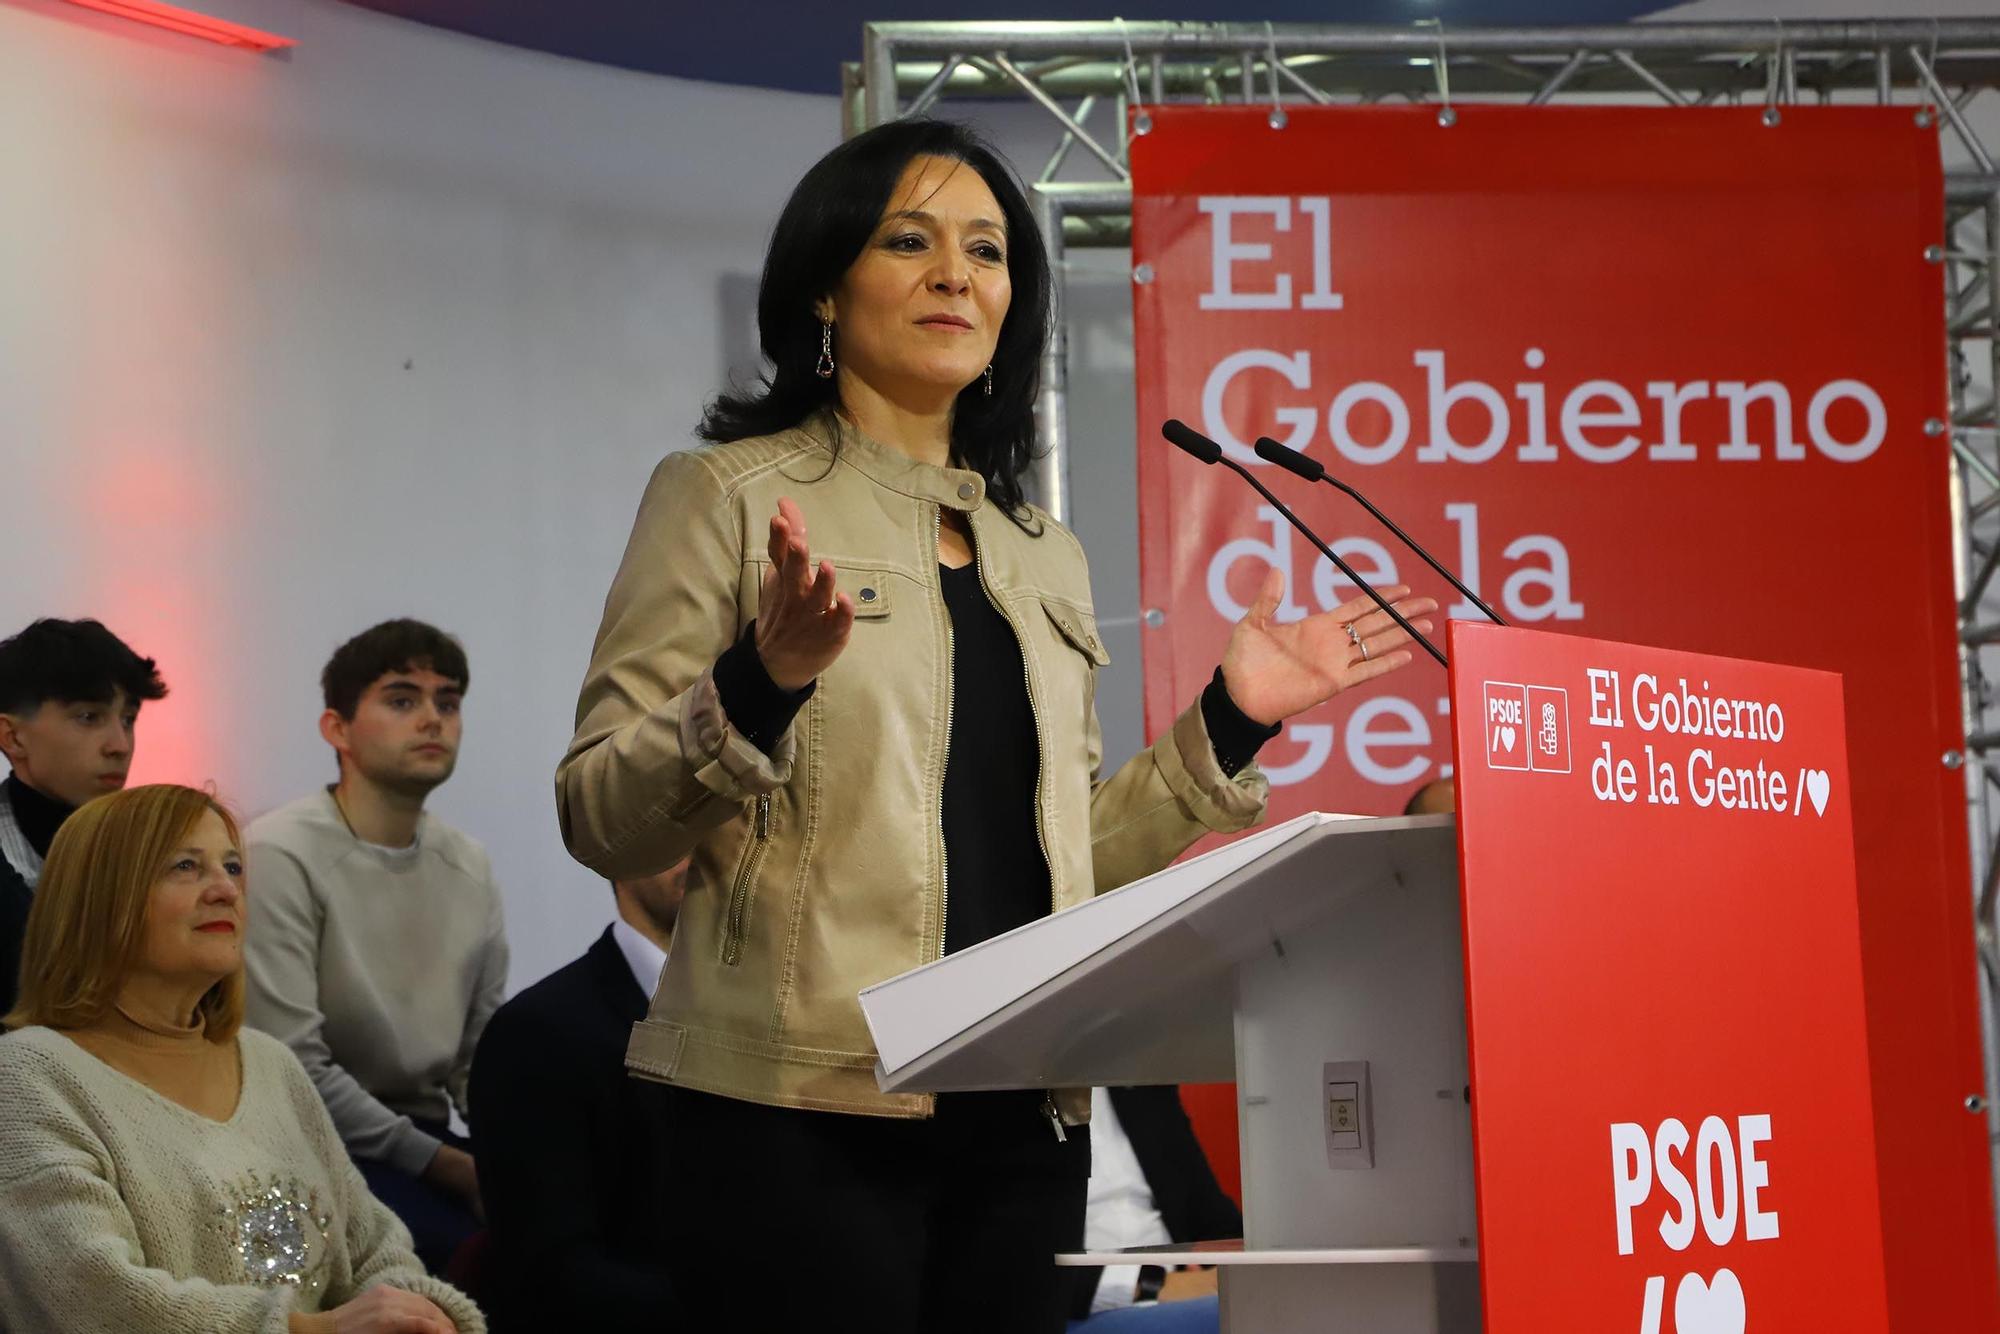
(1082,74)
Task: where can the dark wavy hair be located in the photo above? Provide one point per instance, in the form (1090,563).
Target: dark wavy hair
(825,226)
(400,645)
(73,662)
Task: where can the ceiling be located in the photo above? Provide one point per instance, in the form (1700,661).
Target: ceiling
(800,44)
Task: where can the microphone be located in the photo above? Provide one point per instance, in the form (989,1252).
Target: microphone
(1193,442)
(1292,461)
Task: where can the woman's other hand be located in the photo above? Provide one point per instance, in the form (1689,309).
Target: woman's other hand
(802,621)
(1274,670)
(380,1310)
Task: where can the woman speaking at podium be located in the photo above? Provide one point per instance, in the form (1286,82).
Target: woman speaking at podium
(848,670)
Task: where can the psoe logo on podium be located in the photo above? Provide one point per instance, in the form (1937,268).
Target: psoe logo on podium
(1527,727)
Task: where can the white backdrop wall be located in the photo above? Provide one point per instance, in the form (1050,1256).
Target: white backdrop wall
(396,323)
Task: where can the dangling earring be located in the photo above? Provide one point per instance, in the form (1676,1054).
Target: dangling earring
(989,379)
(825,367)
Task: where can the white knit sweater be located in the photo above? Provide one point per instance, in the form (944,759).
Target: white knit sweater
(122,1211)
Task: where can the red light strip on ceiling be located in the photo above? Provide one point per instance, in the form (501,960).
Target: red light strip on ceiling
(188,22)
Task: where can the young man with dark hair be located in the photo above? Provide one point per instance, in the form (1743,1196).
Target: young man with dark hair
(70,693)
(379,952)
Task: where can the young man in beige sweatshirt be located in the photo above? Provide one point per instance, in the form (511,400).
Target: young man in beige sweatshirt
(376,949)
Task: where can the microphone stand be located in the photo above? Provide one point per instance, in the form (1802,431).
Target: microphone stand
(1201,447)
(1294,462)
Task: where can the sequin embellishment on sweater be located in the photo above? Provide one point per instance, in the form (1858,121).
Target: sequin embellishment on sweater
(278,1230)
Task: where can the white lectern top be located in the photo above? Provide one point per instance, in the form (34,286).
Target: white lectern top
(1138,986)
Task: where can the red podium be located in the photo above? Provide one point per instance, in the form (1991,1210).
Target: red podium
(1671,1116)
(1641,971)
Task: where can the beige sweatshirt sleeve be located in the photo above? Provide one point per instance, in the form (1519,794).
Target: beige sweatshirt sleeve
(487,995)
(281,954)
(654,764)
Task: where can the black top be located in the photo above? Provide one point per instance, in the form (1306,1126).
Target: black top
(755,705)
(15,900)
(571,1154)
(996,873)
(38,815)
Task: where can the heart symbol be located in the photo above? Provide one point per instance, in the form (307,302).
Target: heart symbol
(1507,738)
(1714,1307)
(1817,786)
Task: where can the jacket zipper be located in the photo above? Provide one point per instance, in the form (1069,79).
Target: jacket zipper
(950,700)
(739,897)
(1049,1108)
(1035,713)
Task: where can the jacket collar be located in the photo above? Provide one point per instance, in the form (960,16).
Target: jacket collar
(887,466)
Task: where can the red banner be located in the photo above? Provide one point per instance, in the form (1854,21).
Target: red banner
(1665,375)
(1655,847)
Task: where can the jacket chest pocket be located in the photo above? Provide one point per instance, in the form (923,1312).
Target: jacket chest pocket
(1077,652)
(870,587)
(1078,629)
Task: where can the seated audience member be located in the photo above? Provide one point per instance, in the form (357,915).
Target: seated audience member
(379,951)
(570,1144)
(1437,797)
(1150,1184)
(162,1168)
(70,693)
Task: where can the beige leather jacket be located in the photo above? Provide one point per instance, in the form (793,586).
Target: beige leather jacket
(819,870)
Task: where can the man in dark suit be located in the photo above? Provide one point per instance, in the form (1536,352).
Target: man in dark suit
(1150,1183)
(571,1148)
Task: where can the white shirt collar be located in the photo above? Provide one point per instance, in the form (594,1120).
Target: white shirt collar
(642,956)
(14,846)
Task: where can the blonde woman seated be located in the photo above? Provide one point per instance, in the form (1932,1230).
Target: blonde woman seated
(162,1168)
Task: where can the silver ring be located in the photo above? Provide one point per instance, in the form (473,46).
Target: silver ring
(1362,644)
(1353,637)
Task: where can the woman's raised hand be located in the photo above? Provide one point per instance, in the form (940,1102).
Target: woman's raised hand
(1275,670)
(802,620)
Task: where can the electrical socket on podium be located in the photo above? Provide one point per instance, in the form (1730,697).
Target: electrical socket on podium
(1350,1122)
